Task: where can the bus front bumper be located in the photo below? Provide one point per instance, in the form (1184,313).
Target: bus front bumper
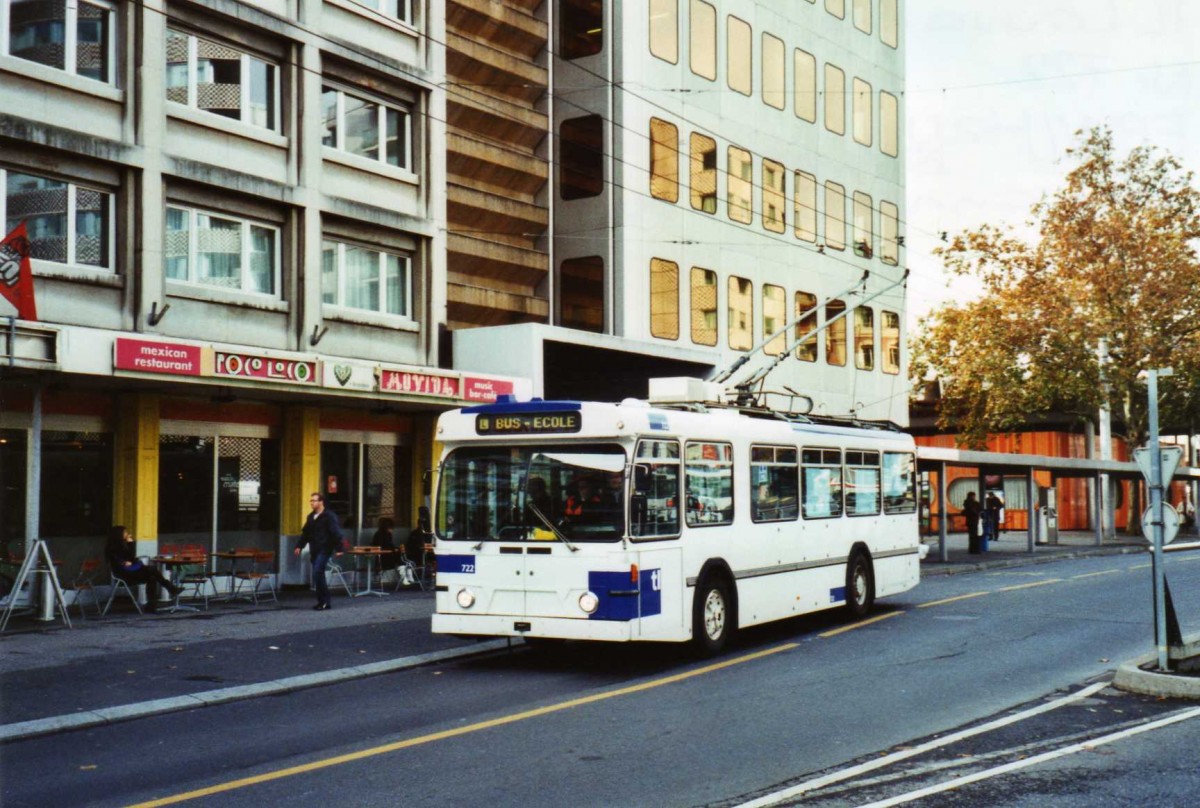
(487,625)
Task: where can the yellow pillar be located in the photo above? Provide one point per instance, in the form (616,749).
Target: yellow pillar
(301,458)
(135,466)
(427,450)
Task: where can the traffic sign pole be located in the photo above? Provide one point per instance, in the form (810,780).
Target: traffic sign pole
(1156,510)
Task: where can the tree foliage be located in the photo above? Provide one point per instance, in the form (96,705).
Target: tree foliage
(1115,257)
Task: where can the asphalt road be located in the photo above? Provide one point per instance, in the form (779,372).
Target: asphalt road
(638,725)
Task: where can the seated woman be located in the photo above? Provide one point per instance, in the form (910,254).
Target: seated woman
(121,554)
(383,539)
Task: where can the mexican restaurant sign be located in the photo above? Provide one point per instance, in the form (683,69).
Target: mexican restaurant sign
(265,368)
(152,356)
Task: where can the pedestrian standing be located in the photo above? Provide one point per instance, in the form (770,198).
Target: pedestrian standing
(323,535)
(992,507)
(972,509)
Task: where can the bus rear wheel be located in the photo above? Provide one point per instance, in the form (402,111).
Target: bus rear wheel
(860,585)
(712,616)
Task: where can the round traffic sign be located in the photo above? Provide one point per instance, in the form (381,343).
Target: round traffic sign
(1170,524)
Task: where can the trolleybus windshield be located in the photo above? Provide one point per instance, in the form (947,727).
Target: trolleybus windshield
(572,492)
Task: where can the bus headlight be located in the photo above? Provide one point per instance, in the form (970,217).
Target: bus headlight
(589,602)
(465,598)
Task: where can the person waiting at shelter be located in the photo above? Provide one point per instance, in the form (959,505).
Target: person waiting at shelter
(992,508)
(121,554)
(972,510)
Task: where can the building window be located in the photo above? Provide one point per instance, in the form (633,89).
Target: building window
(774,78)
(889,124)
(864,239)
(708,487)
(664,30)
(580,28)
(862,15)
(889,23)
(822,483)
(741,314)
(774,318)
(704,173)
(805,205)
(66,223)
(774,483)
(581,157)
(703,38)
(862,112)
(356,277)
(704,306)
(581,293)
(835,216)
(664,160)
(806,346)
(835,333)
(77,38)
(397,9)
(774,192)
(218,250)
(664,299)
(889,218)
(864,338)
(740,185)
(805,66)
(835,99)
(222,80)
(837,8)
(739,46)
(889,341)
(366,128)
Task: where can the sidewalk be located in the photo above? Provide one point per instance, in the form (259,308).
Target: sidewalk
(126,665)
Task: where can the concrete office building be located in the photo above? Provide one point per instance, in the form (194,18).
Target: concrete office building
(236,212)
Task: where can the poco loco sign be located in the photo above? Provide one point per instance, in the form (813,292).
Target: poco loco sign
(265,368)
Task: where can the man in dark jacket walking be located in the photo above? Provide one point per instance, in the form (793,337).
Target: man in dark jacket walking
(323,535)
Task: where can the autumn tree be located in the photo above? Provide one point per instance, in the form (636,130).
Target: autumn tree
(1114,257)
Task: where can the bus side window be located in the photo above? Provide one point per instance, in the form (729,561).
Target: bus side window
(654,501)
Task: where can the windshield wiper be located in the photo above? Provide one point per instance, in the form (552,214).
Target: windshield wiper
(553,529)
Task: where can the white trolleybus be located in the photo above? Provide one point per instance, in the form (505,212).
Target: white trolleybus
(664,522)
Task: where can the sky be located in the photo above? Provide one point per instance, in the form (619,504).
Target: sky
(995,92)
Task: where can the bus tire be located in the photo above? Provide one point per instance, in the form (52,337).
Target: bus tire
(713,617)
(860,584)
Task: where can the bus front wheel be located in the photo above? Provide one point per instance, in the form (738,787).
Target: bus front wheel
(712,616)
(860,585)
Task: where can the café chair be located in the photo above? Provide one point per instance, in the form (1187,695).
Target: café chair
(258,575)
(334,569)
(409,573)
(117,585)
(194,581)
(85,582)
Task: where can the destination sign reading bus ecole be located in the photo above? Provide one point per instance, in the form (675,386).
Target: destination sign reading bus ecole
(528,423)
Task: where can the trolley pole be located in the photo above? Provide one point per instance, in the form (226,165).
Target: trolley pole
(1156,517)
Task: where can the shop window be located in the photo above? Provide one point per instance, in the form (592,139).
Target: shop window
(837,8)
(580,28)
(708,484)
(805,99)
(581,293)
(774,318)
(185,489)
(862,15)
(66,223)
(861,99)
(805,205)
(774,483)
(222,80)
(664,160)
(364,483)
(217,250)
(889,233)
(739,52)
(835,99)
(889,342)
(664,299)
(741,313)
(703,39)
(821,480)
(774,191)
(77,37)
(664,30)
(889,23)
(355,277)
(740,185)
(835,216)
(864,238)
(704,173)
(864,338)
(368,129)
(835,333)
(889,124)
(386,486)
(806,347)
(13,447)
(248,494)
(774,78)
(581,157)
(704,306)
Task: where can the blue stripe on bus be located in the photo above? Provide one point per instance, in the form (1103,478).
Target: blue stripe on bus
(621,599)
(456,563)
(836,595)
(505,407)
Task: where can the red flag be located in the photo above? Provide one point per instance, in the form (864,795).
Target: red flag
(16,276)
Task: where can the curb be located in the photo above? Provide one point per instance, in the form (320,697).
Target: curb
(952,568)
(1132,678)
(128,712)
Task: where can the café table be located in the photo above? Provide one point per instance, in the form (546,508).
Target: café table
(175,564)
(370,553)
(234,557)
